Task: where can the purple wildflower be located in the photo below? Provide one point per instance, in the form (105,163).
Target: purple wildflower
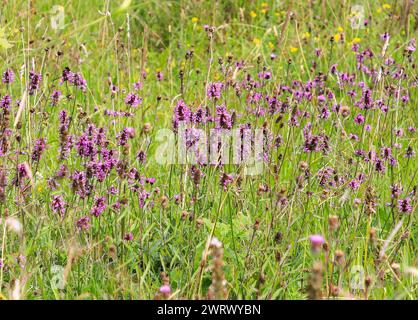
(128,237)
(226,179)
(5,102)
(404,205)
(22,172)
(316,241)
(39,148)
(83,224)
(379,165)
(55,97)
(224,119)
(8,76)
(126,134)
(411,47)
(409,152)
(395,190)
(58,204)
(66,75)
(132,100)
(78,81)
(34,81)
(181,114)
(62,171)
(99,206)
(80,184)
(138,85)
(359,119)
(142,157)
(354,184)
(214,90)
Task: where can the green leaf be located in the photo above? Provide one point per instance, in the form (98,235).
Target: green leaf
(4,43)
(125,5)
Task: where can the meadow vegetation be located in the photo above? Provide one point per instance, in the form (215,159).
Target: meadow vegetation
(88,212)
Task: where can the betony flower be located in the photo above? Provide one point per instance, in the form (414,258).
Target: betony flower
(126,134)
(409,152)
(55,97)
(359,119)
(99,206)
(396,190)
(404,205)
(214,90)
(39,148)
(78,81)
(138,85)
(223,119)
(226,180)
(132,100)
(5,102)
(128,237)
(83,224)
(34,81)
(8,76)
(141,156)
(181,114)
(58,204)
(159,76)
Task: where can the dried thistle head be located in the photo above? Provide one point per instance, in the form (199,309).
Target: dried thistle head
(339,257)
(315,281)
(345,111)
(164,202)
(333,222)
(303,165)
(217,290)
(370,201)
(373,236)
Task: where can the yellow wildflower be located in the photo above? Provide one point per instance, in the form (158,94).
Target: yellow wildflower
(253,14)
(194,19)
(256,41)
(386,6)
(356,40)
(293,49)
(337,37)
(271,45)
(340,30)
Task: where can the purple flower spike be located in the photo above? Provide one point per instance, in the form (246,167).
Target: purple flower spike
(8,76)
